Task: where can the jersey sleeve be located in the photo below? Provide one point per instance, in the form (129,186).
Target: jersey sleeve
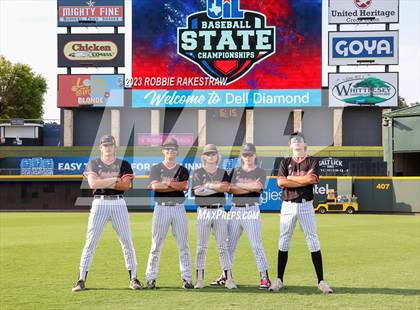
(91,168)
(184,175)
(283,172)
(197,179)
(225,178)
(314,169)
(232,176)
(126,171)
(154,175)
(261,177)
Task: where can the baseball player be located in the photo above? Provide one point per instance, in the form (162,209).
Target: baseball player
(297,175)
(247,184)
(209,186)
(108,177)
(168,181)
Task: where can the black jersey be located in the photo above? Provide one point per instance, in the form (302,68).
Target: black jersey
(295,167)
(119,168)
(160,173)
(201,177)
(238,175)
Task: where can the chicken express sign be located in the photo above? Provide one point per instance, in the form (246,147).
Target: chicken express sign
(98,50)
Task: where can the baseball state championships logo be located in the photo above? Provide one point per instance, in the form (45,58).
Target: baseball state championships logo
(225,41)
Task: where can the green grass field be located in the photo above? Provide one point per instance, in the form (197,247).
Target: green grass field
(371,262)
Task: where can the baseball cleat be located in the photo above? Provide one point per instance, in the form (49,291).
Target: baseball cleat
(187,284)
(324,287)
(219,281)
(199,284)
(80,286)
(264,284)
(151,284)
(276,286)
(230,284)
(135,284)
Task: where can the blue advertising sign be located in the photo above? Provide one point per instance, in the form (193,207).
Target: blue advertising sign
(270,198)
(226,98)
(83,13)
(355,48)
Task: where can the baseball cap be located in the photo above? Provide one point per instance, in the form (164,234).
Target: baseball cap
(248,148)
(209,148)
(297,134)
(170,143)
(107,139)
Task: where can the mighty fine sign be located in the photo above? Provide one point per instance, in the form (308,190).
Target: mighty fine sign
(363,11)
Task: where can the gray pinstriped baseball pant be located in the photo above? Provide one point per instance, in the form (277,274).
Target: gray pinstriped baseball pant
(101,212)
(291,212)
(163,217)
(252,227)
(204,226)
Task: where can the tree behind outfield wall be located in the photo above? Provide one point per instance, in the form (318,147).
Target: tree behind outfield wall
(21,91)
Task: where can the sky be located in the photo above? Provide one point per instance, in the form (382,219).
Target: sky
(28,34)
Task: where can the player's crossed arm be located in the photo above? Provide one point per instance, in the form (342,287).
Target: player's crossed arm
(124,183)
(96,182)
(166,187)
(245,188)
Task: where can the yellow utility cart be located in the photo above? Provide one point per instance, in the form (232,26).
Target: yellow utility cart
(333,203)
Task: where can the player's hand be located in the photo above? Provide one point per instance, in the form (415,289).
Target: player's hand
(208,185)
(122,184)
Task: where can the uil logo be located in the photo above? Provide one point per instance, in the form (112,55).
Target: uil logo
(225,41)
(224,8)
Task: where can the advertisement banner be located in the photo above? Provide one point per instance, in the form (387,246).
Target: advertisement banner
(83,13)
(91,50)
(90,90)
(147,139)
(225,98)
(234,53)
(363,48)
(333,167)
(270,198)
(363,89)
(363,11)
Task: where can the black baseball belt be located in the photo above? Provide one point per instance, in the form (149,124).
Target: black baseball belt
(299,200)
(169,203)
(245,205)
(212,206)
(108,197)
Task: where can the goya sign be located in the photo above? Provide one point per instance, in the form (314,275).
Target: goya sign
(363,11)
(81,13)
(90,50)
(363,89)
(91,90)
(356,48)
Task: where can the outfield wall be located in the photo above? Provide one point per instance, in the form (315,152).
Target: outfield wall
(375,194)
